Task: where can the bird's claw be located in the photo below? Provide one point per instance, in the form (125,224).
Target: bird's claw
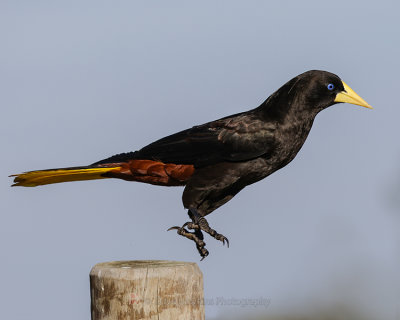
(198,225)
(223,239)
(196,236)
(173,228)
(203,252)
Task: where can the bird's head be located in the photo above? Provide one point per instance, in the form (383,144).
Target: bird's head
(321,89)
(307,94)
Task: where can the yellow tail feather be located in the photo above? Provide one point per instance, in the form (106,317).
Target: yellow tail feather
(42,177)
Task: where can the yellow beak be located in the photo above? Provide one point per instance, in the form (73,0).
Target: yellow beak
(349,96)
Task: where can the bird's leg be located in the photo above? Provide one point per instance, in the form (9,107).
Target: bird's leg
(196,236)
(200,223)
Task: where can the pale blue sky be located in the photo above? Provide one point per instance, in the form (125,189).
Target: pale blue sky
(83,80)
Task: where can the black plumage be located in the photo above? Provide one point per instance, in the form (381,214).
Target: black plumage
(217,159)
(230,153)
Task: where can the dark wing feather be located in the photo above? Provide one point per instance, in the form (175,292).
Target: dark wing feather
(235,138)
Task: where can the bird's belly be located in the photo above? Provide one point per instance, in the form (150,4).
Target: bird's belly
(285,155)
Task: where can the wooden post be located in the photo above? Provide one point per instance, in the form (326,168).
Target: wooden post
(133,290)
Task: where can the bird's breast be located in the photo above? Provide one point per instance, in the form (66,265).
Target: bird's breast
(289,140)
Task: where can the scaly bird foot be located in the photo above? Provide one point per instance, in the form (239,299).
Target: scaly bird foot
(199,222)
(196,236)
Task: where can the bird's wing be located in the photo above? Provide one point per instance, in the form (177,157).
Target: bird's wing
(236,138)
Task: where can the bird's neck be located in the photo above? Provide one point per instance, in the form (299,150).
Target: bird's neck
(285,108)
(292,122)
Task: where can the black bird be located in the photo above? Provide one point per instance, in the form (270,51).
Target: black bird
(217,159)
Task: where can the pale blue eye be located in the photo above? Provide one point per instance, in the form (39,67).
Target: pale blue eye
(330,86)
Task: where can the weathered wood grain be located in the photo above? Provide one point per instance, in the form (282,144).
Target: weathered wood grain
(133,290)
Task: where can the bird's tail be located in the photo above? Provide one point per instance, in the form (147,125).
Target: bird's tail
(42,177)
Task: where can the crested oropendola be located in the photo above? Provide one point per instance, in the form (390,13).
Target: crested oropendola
(215,160)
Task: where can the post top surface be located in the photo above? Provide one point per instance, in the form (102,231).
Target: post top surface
(138,264)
